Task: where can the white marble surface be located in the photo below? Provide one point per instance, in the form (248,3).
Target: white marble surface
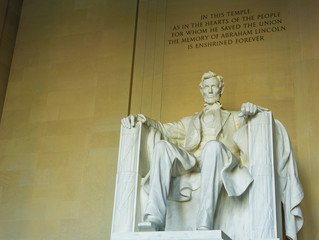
(244,210)
(179,235)
(181,215)
(264,199)
(127,187)
(172,235)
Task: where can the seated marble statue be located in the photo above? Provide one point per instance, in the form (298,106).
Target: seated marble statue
(207,147)
(200,143)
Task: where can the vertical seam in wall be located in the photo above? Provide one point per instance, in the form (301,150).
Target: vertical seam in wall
(162,83)
(4,26)
(154,59)
(133,59)
(4,22)
(3,98)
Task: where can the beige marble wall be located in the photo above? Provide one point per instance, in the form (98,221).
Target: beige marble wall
(9,21)
(68,90)
(69,87)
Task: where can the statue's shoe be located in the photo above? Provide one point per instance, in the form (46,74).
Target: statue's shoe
(148,227)
(203,228)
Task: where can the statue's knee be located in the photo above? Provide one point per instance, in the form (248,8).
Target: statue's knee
(161,146)
(213,146)
(211,153)
(161,155)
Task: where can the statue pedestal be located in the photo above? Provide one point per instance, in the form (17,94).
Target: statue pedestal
(171,235)
(177,235)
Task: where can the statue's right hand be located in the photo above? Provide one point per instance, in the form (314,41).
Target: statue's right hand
(130,121)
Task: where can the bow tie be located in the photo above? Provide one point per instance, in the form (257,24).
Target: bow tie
(212,107)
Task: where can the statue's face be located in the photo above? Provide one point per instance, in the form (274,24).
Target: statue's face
(210,90)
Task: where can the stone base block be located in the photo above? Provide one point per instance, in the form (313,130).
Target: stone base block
(173,235)
(177,235)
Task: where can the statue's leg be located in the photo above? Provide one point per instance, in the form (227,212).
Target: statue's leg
(213,158)
(167,161)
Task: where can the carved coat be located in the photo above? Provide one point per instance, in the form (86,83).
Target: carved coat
(232,129)
(186,134)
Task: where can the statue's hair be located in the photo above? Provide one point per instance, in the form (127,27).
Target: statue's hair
(209,75)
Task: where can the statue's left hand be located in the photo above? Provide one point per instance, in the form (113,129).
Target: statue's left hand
(130,121)
(249,109)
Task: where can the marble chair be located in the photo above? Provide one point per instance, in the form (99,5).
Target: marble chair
(257,214)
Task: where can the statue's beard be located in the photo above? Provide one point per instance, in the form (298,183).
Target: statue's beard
(212,99)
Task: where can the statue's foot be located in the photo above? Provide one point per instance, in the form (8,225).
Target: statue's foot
(151,223)
(203,228)
(148,227)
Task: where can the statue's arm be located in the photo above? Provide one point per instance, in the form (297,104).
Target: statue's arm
(173,130)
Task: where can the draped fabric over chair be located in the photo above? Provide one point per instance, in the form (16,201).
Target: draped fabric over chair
(266,151)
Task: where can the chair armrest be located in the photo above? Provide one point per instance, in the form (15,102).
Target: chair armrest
(265,207)
(133,163)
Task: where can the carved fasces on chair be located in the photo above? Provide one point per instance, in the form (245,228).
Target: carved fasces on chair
(133,164)
(127,180)
(264,200)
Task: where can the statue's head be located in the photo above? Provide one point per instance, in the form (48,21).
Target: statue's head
(211,87)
